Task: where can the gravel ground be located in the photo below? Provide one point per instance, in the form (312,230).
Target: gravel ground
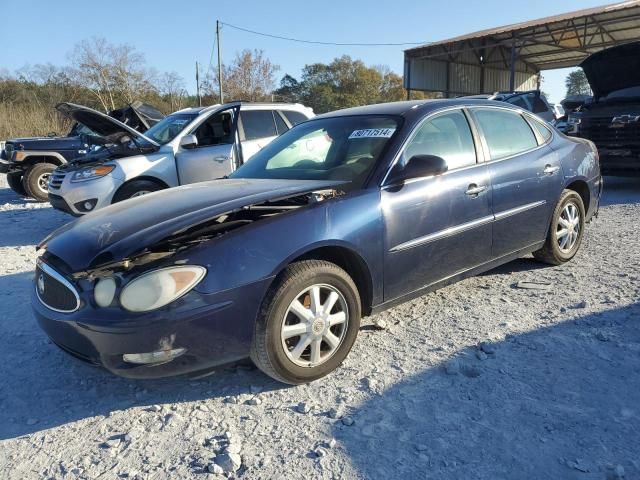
(527,372)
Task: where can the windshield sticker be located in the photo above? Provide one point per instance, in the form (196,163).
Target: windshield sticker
(372,133)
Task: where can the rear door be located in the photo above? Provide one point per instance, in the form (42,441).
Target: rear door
(215,155)
(257,129)
(525,174)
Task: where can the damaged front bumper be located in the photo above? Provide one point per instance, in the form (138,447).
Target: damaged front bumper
(197,332)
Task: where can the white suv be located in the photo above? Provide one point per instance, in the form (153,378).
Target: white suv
(188,146)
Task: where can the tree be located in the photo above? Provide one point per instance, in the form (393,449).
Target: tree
(172,86)
(250,77)
(577,84)
(115,74)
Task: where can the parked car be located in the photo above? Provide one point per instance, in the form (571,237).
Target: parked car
(534,101)
(191,145)
(28,162)
(612,118)
(280,261)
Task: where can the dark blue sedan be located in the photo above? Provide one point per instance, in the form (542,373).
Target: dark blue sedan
(343,216)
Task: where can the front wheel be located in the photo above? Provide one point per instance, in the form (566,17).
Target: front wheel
(136,188)
(14,180)
(308,322)
(36,180)
(565,232)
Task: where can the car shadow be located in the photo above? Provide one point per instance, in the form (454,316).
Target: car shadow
(620,190)
(556,402)
(25,225)
(525,264)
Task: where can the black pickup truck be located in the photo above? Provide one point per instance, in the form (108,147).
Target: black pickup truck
(612,118)
(28,162)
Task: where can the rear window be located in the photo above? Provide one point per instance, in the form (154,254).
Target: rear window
(294,117)
(505,132)
(544,132)
(257,124)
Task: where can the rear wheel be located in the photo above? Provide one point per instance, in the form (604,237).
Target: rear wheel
(565,232)
(36,180)
(308,322)
(15,183)
(134,189)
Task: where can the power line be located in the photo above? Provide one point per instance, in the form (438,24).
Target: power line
(316,42)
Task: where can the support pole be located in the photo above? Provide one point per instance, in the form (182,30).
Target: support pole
(219,61)
(408,76)
(512,73)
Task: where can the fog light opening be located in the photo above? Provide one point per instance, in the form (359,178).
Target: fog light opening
(153,358)
(88,206)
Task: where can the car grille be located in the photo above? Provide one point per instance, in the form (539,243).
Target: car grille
(56,179)
(54,291)
(601,132)
(8,150)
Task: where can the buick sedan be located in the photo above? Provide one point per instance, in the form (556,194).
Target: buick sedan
(341,217)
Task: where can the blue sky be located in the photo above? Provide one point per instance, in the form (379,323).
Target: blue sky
(173,35)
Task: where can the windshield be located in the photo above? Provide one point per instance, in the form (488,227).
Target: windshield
(339,148)
(166,129)
(79,129)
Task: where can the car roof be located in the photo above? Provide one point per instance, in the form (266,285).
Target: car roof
(248,106)
(409,107)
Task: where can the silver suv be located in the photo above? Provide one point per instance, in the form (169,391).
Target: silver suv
(188,146)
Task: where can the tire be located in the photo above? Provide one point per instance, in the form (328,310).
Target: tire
(14,180)
(274,355)
(35,180)
(552,251)
(136,188)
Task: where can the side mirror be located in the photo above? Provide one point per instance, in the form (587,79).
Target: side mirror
(189,141)
(419,166)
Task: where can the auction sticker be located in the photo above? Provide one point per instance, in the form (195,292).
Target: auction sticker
(372,133)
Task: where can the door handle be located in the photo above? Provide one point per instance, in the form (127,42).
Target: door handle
(220,158)
(475,190)
(550,170)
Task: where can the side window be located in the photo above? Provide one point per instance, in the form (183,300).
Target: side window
(539,106)
(294,117)
(520,101)
(216,130)
(280,125)
(447,136)
(544,132)
(506,133)
(257,124)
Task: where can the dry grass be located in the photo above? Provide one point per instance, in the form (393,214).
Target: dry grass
(30,121)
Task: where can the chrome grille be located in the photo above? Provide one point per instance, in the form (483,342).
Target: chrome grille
(56,179)
(602,132)
(55,291)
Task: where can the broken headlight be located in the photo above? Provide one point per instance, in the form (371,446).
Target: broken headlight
(157,288)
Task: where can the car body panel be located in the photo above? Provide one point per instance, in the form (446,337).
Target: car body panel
(405,239)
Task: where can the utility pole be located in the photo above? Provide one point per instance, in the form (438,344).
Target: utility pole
(219,61)
(198,85)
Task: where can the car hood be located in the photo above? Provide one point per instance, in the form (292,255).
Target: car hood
(46,143)
(613,69)
(99,122)
(113,233)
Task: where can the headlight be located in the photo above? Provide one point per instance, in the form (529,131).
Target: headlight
(104,291)
(92,172)
(160,287)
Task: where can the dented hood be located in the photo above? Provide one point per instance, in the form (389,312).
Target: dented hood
(613,69)
(118,231)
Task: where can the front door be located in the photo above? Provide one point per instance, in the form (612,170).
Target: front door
(526,176)
(437,226)
(215,154)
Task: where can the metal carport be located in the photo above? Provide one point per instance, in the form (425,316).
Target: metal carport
(511,57)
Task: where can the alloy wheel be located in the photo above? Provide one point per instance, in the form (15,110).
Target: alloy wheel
(314,325)
(568,227)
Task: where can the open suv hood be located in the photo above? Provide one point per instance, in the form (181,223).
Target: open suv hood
(613,69)
(100,123)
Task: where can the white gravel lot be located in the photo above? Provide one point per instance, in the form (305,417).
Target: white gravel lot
(553,393)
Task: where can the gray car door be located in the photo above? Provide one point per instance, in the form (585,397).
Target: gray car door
(215,154)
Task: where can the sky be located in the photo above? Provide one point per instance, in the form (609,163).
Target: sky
(174,35)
